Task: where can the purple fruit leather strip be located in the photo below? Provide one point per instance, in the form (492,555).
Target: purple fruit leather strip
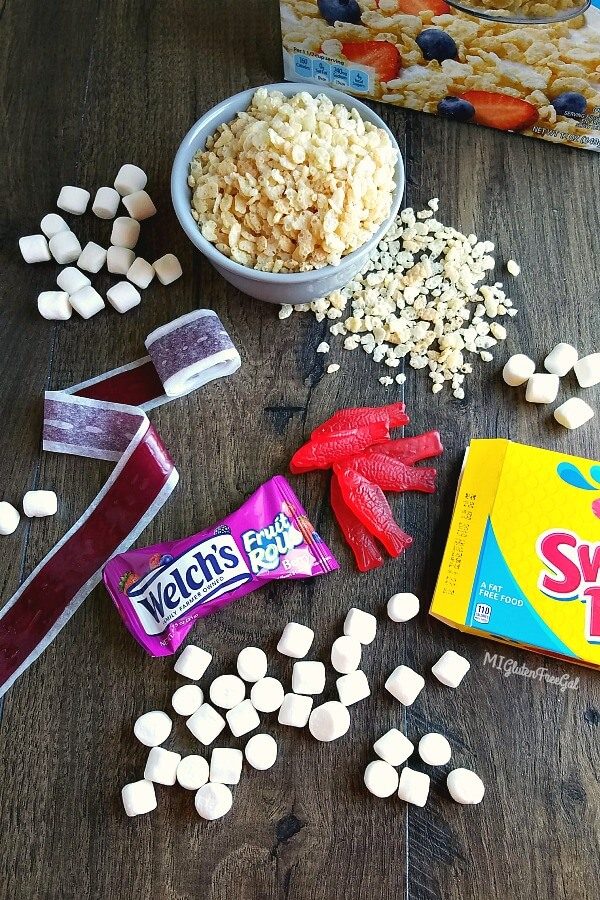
(81,424)
(186,345)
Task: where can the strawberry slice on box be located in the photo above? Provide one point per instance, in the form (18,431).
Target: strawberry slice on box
(501,111)
(415,7)
(382,56)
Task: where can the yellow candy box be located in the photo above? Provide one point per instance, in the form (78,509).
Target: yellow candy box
(522,561)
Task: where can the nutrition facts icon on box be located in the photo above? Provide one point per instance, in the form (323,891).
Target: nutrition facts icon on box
(359,80)
(340,76)
(321,70)
(303,65)
(483,613)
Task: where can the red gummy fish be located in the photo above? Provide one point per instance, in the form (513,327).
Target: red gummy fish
(363,546)
(394,415)
(367,501)
(393,475)
(412,449)
(324,450)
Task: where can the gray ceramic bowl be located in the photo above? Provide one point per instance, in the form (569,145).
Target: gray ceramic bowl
(291,288)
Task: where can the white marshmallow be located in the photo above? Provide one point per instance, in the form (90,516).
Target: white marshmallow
(37,504)
(296,640)
(123,296)
(345,654)
(227,691)
(573,413)
(380,778)
(193,662)
(252,664)
(242,718)
(329,721)
(261,751)
(139,798)
(394,747)
(65,247)
(130,178)
(434,749)
(465,786)
(405,685)
(92,258)
(9,518)
(206,724)
(213,801)
(518,370)
(542,388)
(106,203)
(87,302)
(73,200)
(451,668)
(267,695)
(308,677)
(140,272)
(561,359)
(226,765)
(414,786)
(125,232)
(587,370)
(54,305)
(187,700)
(53,224)
(353,687)
(168,268)
(295,710)
(72,280)
(139,205)
(161,766)
(119,260)
(360,625)
(402,607)
(192,772)
(153,728)
(34,248)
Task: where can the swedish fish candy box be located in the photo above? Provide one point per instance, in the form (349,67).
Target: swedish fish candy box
(522,561)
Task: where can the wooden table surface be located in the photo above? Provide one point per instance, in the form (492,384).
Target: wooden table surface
(85,87)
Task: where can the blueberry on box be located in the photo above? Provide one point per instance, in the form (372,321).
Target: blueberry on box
(569,102)
(340,11)
(436,44)
(457,109)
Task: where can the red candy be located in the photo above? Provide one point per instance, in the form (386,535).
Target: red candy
(324,450)
(394,475)
(367,501)
(363,545)
(411,449)
(393,415)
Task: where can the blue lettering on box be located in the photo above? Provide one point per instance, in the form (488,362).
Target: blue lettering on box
(303,65)
(359,80)
(321,70)
(340,75)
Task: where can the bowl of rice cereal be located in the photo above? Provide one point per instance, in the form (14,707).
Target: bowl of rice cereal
(287,189)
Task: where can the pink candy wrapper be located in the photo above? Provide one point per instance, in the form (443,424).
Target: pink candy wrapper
(161,590)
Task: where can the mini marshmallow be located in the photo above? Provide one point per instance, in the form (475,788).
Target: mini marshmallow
(308,677)
(542,388)
(187,700)
(561,359)
(206,724)
(87,302)
(9,518)
(360,625)
(37,504)
(129,179)
(53,224)
(213,801)
(227,691)
(123,296)
(345,654)
(394,747)
(353,687)
(242,718)
(414,786)
(267,695)
(192,772)
(261,751)
(451,668)
(92,258)
(434,749)
(518,370)
(295,710)
(139,205)
(140,272)
(465,786)
(587,370)
(161,766)
(168,268)
(72,280)
(65,247)
(296,640)
(380,778)
(226,765)
(329,721)
(139,798)
(405,685)
(252,664)
(153,728)
(573,413)
(402,607)
(125,232)
(54,305)
(193,662)
(119,260)
(73,200)
(34,248)
(106,203)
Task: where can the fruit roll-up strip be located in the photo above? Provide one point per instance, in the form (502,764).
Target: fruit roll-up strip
(412,449)
(394,414)
(394,475)
(367,501)
(321,452)
(363,546)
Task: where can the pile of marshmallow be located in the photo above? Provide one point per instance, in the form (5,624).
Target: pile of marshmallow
(542,387)
(36,504)
(58,241)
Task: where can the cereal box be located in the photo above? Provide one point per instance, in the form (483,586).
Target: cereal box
(528,66)
(522,561)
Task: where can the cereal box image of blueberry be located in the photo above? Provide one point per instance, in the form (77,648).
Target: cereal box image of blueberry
(526,66)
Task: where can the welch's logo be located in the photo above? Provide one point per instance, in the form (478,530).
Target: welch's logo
(266,546)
